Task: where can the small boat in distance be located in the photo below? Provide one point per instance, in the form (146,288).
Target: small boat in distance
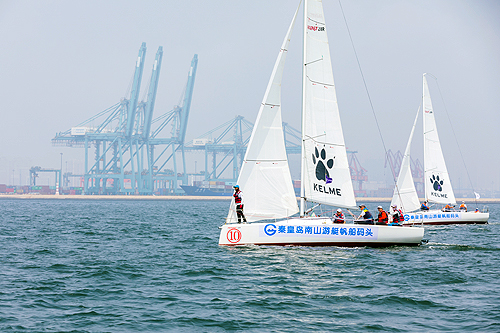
(269,197)
(438,189)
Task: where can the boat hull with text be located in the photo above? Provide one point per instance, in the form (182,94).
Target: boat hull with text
(437,217)
(318,232)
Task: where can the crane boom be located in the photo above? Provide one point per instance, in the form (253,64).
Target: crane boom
(186,105)
(153,87)
(134,95)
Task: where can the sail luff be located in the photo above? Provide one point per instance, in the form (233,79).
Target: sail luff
(302,152)
(265,175)
(437,182)
(405,195)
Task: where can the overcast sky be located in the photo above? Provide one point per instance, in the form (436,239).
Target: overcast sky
(64,61)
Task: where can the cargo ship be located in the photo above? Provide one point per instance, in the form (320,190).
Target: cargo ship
(215,188)
(209,188)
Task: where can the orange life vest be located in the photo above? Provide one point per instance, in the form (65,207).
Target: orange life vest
(382,217)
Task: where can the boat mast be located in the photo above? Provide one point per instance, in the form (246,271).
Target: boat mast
(302,160)
(423,134)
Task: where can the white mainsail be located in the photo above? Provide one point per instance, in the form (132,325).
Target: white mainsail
(405,194)
(265,176)
(436,179)
(325,169)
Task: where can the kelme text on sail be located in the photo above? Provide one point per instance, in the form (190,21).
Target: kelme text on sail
(326,189)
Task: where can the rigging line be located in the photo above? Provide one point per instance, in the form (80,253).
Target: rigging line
(312,62)
(364,81)
(456,140)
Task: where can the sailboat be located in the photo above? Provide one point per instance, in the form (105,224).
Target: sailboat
(438,189)
(269,199)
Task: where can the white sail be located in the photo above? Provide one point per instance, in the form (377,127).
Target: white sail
(325,170)
(436,179)
(405,194)
(265,178)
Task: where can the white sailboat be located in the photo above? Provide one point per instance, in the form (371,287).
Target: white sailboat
(265,176)
(438,189)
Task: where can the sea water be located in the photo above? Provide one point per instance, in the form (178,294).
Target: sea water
(153,266)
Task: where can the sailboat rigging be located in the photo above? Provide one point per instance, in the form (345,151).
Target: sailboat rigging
(438,189)
(325,177)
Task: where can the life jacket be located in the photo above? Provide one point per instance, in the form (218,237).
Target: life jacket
(368,215)
(463,207)
(382,217)
(237,197)
(339,218)
(401,217)
(395,215)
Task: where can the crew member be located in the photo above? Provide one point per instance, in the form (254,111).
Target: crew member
(448,208)
(365,217)
(382,216)
(339,217)
(424,206)
(238,200)
(397,214)
(463,206)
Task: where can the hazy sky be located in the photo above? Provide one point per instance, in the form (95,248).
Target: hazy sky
(64,61)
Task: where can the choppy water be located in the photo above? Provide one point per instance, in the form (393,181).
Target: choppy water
(129,266)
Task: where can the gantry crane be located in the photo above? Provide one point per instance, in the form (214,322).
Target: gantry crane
(124,142)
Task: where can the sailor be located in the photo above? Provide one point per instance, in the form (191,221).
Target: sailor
(382,216)
(477,210)
(448,208)
(424,206)
(463,206)
(397,214)
(339,217)
(238,200)
(365,217)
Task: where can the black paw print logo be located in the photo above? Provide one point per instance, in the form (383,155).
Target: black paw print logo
(437,184)
(321,169)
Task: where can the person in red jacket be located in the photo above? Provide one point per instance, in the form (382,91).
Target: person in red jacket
(238,200)
(382,216)
(339,217)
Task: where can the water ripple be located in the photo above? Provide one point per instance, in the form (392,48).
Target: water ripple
(129,266)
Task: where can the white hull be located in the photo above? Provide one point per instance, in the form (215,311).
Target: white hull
(318,232)
(438,217)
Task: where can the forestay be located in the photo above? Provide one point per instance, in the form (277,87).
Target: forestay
(325,169)
(437,181)
(405,194)
(265,176)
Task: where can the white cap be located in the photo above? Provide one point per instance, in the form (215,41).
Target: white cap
(379,207)
(339,210)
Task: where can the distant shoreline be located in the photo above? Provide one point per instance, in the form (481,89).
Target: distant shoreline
(186,197)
